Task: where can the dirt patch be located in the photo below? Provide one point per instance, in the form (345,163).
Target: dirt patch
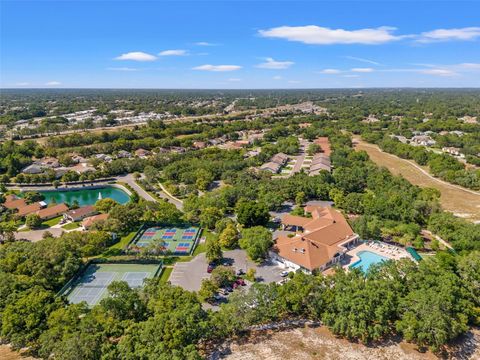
(319,343)
(462,202)
(6,353)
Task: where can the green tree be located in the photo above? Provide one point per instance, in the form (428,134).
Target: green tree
(213,250)
(24,319)
(207,291)
(33,221)
(251,213)
(229,237)
(256,241)
(209,217)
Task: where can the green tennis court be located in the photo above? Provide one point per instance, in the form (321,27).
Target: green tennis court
(178,241)
(92,285)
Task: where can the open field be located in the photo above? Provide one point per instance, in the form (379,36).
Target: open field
(462,202)
(319,343)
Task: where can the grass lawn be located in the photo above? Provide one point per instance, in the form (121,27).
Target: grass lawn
(123,241)
(201,248)
(70,226)
(165,275)
(51,222)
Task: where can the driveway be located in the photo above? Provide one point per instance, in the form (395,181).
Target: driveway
(189,275)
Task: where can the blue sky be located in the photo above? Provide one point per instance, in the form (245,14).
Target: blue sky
(248,44)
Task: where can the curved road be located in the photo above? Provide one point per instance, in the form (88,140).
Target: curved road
(130,180)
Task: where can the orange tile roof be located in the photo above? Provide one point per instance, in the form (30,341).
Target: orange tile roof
(89,221)
(15,204)
(52,211)
(28,209)
(322,238)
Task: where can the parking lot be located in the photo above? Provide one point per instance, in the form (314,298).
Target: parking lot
(189,275)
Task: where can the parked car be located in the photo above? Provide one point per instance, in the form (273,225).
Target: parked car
(240,282)
(284,273)
(240,272)
(235,285)
(210,268)
(228,288)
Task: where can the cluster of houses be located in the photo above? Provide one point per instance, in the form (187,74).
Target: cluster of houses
(22,209)
(314,243)
(418,139)
(40,166)
(276,163)
(88,215)
(425,139)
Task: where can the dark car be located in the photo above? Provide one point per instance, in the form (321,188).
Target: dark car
(210,268)
(240,272)
(240,282)
(229,289)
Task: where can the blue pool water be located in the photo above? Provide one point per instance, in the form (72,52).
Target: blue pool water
(367,259)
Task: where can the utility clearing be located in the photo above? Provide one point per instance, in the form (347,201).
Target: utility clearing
(461,202)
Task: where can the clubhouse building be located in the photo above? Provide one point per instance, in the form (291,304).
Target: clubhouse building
(316,242)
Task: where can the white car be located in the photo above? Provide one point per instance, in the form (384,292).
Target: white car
(284,273)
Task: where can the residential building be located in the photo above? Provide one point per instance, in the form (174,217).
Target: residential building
(142,153)
(271,166)
(80,213)
(453,151)
(280,159)
(123,154)
(89,221)
(317,242)
(52,211)
(422,140)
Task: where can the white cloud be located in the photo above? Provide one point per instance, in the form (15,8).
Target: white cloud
(461,34)
(470,66)
(312,34)
(136,56)
(121,69)
(53,83)
(362,70)
(234,80)
(277,77)
(438,72)
(368,61)
(176,52)
(219,68)
(204,43)
(330,71)
(270,63)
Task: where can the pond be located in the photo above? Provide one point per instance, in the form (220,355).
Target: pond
(86,196)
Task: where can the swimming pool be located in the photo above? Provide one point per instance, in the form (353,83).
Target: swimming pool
(367,259)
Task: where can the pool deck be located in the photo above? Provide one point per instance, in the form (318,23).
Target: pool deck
(380,248)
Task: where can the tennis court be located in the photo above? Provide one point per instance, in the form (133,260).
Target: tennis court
(92,285)
(179,241)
